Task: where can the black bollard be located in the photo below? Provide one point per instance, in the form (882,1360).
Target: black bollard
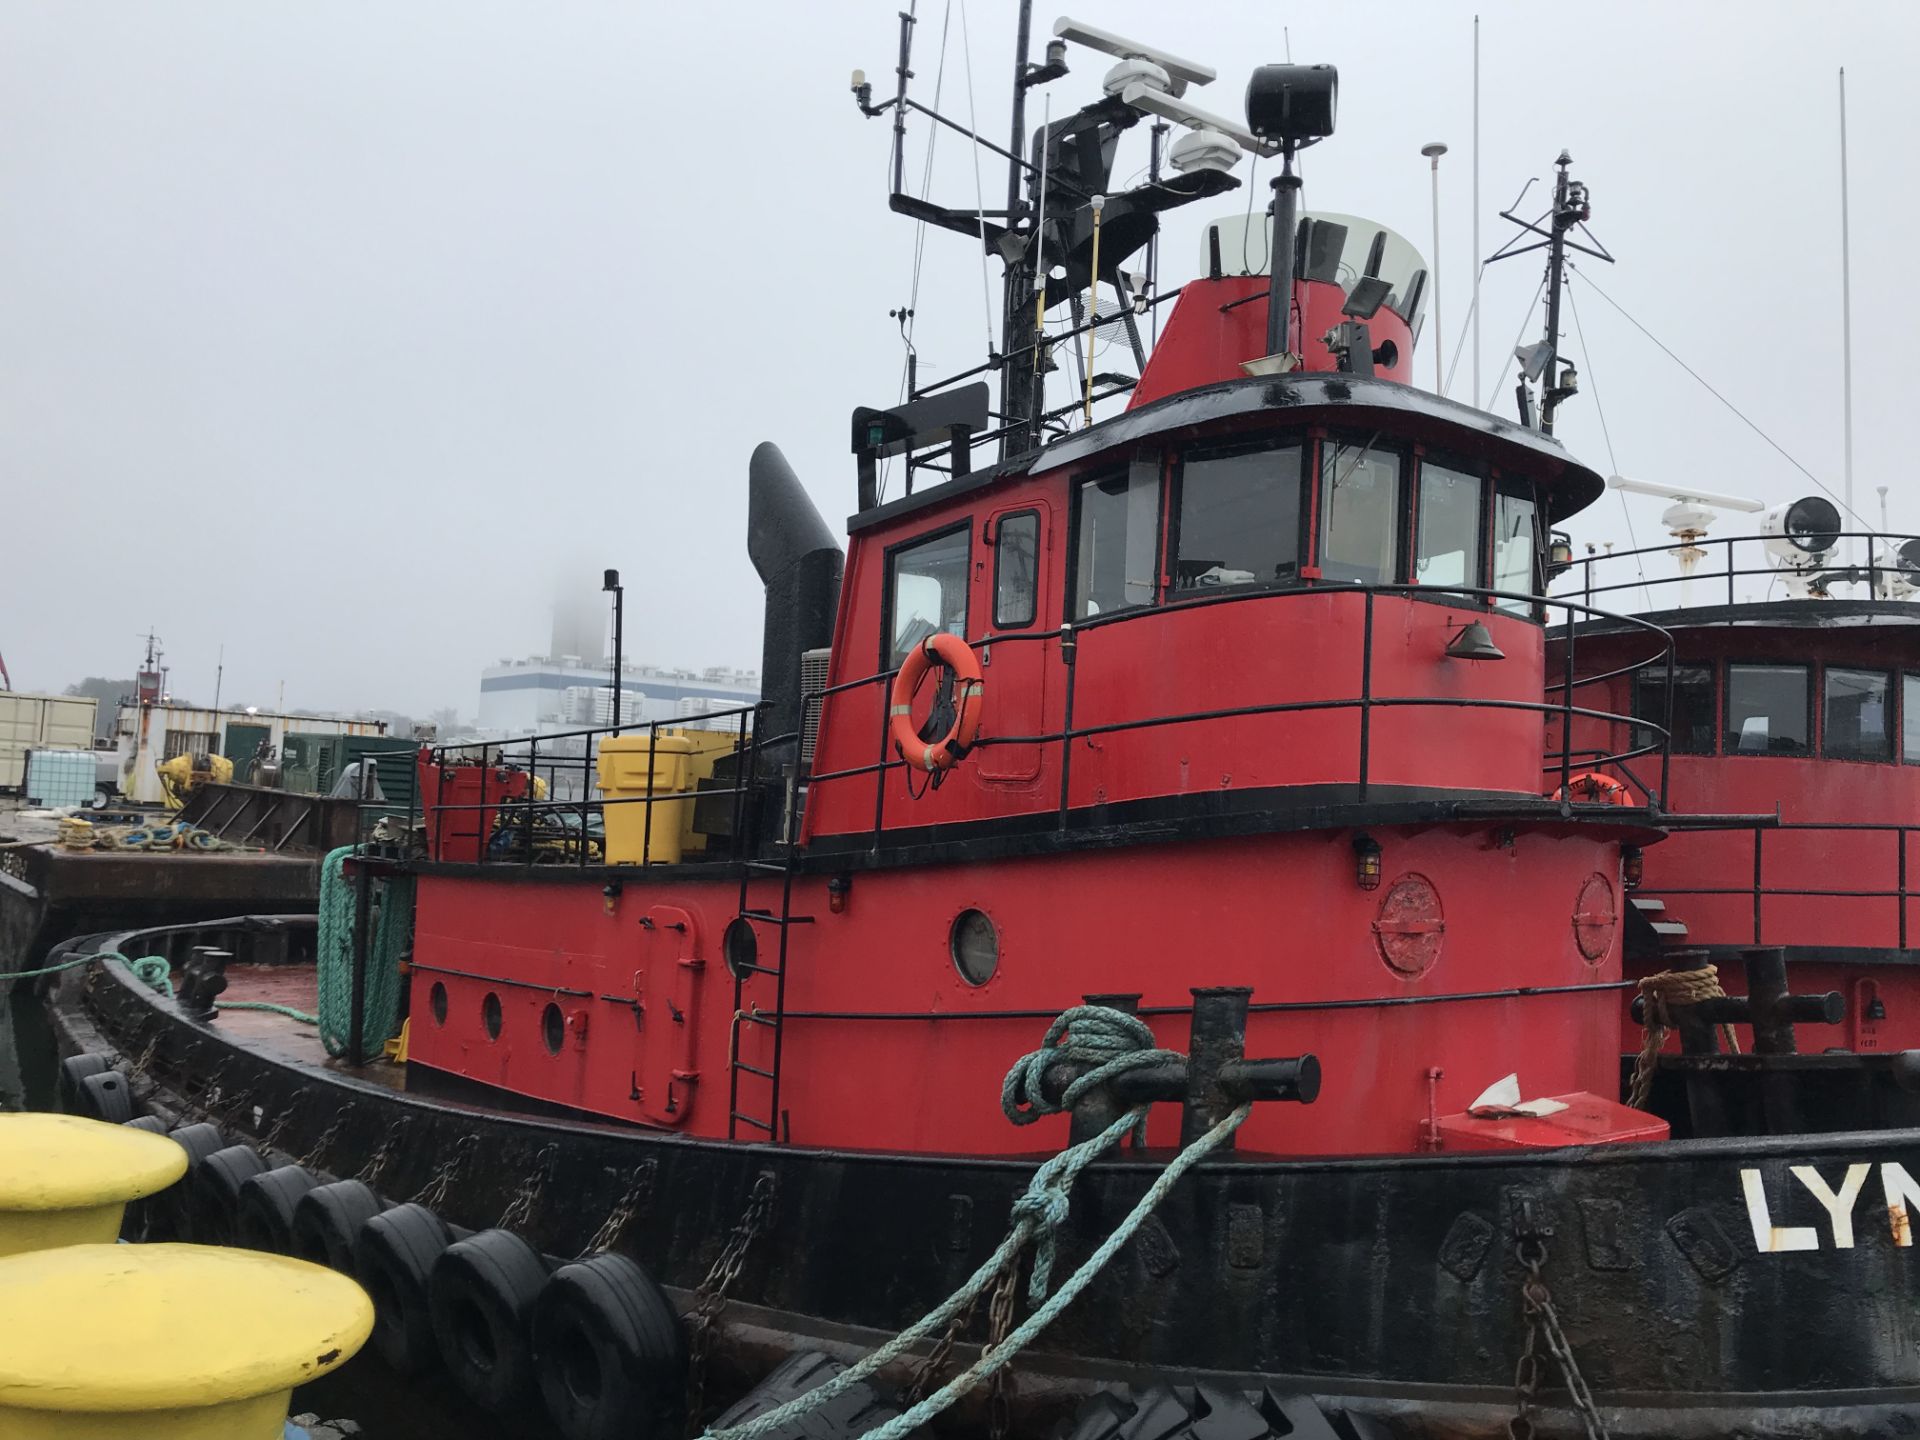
(1219,1038)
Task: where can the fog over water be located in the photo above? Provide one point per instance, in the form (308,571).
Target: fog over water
(330,333)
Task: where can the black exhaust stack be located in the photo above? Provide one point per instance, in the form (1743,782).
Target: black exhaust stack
(799,562)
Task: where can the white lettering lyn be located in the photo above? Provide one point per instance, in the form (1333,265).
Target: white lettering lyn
(1839,1207)
(1768,1237)
(1902,1195)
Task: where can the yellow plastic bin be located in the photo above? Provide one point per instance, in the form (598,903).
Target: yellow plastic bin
(166,1342)
(672,764)
(65,1180)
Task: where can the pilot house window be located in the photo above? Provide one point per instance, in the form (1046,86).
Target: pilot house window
(1239,519)
(1693,718)
(1116,558)
(929,591)
(1360,514)
(1451,534)
(1515,543)
(1767,710)
(1858,720)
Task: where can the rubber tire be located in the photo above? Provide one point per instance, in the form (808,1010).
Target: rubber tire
(73,1070)
(152,1124)
(610,1352)
(199,1141)
(104,1096)
(263,1210)
(481,1297)
(327,1221)
(393,1259)
(216,1183)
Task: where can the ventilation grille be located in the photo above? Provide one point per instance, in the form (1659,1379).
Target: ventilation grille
(813,679)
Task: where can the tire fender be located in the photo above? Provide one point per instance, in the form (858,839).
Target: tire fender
(263,1208)
(481,1297)
(327,1220)
(104,1096)
(73,1070)
(610,1351)
(216,1183)
(199,1141)
(393,1258)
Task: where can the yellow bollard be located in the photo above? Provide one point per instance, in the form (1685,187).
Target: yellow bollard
(65,1180)
(167,1342)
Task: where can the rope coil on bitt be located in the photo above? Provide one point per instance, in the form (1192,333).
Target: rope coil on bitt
(1114,1043)
(1660,992)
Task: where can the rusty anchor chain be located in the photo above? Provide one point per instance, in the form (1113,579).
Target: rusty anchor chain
(639,1190)
(520,1209)
(711,1298)
(1544,1330)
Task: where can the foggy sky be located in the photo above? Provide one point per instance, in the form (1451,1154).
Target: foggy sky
(332,333)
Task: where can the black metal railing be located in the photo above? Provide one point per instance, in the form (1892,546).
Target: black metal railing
(526,829)
(1364,704)
(1760,890)
(1702,584)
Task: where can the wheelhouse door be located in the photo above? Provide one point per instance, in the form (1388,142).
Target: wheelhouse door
(1011,589)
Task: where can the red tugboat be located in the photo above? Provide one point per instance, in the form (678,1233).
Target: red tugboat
(1220,716)
(1795,690)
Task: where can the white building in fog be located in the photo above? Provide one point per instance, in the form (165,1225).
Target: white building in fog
(544,693)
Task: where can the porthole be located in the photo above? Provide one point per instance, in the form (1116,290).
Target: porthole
(490,1015)
(975,946)
(437,1002)
(553,1028)
(741,947)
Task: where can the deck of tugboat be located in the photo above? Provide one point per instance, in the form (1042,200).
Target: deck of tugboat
(269,1032)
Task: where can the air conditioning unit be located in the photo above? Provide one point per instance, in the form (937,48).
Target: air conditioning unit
(814,668)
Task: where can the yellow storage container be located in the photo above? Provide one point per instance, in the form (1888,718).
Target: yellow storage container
(673,763)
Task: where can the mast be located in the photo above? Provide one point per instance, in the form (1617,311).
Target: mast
(1846,317)
(1022,388)
(1477,265)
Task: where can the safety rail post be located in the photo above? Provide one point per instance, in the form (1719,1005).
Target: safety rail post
(586,789)
(1566,716)
(1729,542)
(1758,836)
(1587,593)
(1366,695)
(1666,739)
(739,793)
(1900,841)
(533,783)
(880,763)
(1069,657)
(357,1017)
(646,837)
(482,830)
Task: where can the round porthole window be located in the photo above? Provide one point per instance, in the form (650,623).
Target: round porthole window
(437,1000)
(553,1029)
(975,946)
(490,1015)
(741,947)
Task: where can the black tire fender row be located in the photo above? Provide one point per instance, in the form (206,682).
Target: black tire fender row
(104,1095)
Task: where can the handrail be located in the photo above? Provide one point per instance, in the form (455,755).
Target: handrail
(526,814)
(1759,890)
(1870,574)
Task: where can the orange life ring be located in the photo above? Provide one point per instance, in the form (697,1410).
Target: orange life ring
(946,752)
(1593,788)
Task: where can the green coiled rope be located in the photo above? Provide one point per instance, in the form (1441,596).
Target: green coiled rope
(390,938)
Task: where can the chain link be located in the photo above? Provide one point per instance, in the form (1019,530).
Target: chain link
(376,1166)
(1000,1306)
(520,1209)
(434,1193)
(325,1142)
(271,1140)
(711,1298)
(1543,1324)
(639,1190)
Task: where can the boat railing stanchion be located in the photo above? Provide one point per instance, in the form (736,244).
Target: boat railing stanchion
(1069,657)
